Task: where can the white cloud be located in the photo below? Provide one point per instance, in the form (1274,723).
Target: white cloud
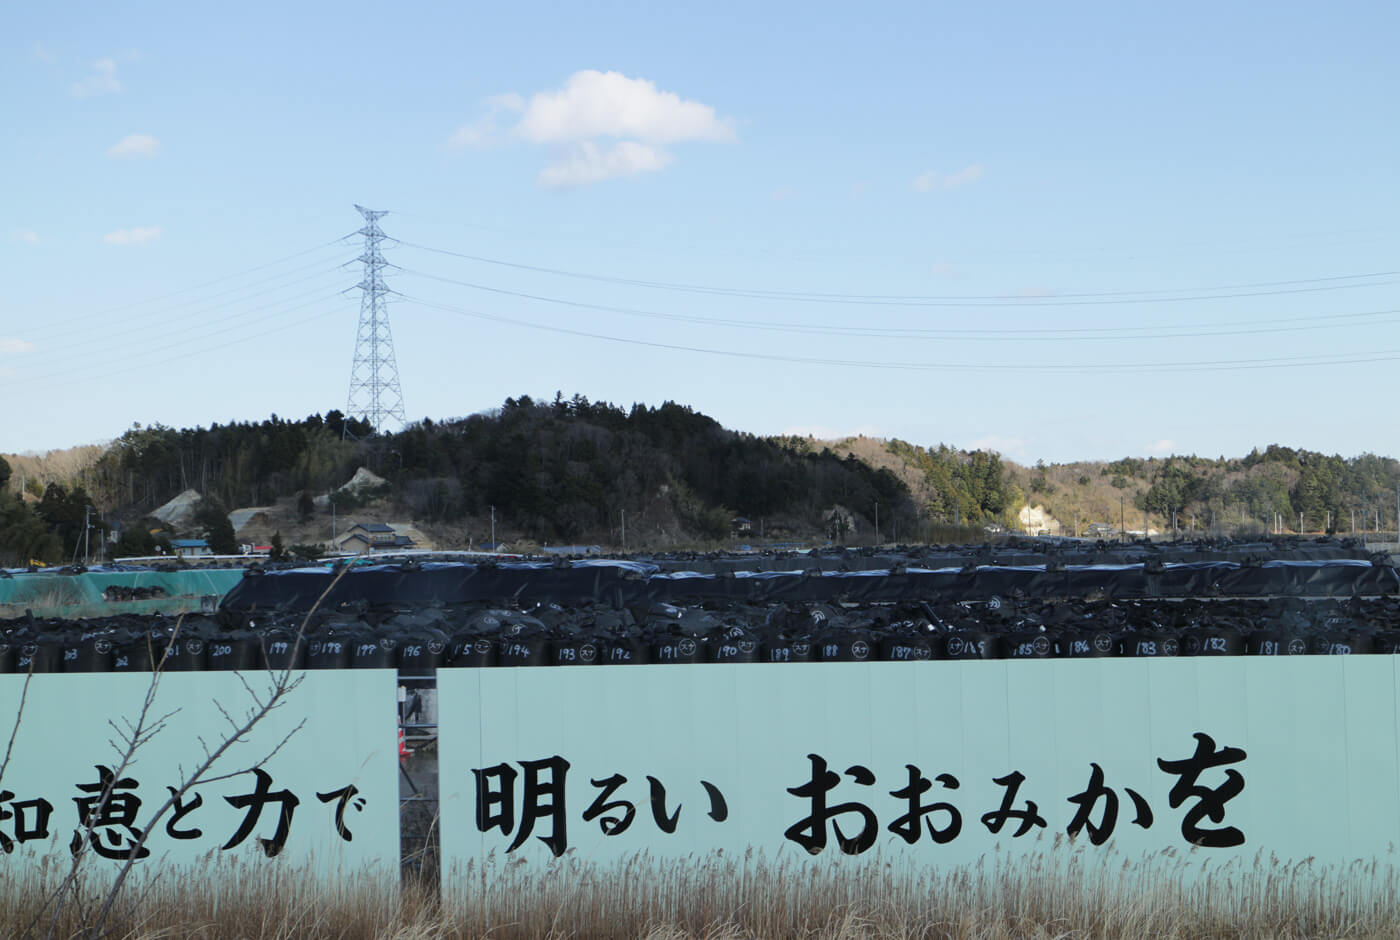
(133,236)
(102,81)
(10,345)
(135,145)
(609,104)
(586,162)
(1164,446)
(42,53)
(605,125)
(931,179)
(27,236)
(486,130)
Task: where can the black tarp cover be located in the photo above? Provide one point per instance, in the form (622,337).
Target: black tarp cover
(630,583)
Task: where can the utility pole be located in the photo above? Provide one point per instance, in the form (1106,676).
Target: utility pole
(87,527)
(493,528)
(375,396)
(624,532)
(1122,519)
(877,520)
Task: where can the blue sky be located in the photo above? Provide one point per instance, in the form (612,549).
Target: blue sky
(1069,194)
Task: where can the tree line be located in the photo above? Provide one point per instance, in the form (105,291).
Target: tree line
(565,469)
(569,469)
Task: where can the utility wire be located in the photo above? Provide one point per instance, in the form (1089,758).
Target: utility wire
(198,342)
(108,311)
(1185,330)
(240,339)
(1231,291)
(1086,254)
(191,319)
(1095,368)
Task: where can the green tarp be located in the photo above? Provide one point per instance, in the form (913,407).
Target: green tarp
(52,593)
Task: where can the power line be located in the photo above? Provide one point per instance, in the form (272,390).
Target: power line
(69,369)
(1280,241)
(1178,331)
(248,338)
(1386,355)
(218,280)
(1194,294)
(191,319)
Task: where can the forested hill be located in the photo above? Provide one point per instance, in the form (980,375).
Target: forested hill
(569,470)
(558,471)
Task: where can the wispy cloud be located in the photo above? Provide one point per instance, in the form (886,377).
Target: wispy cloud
(601,125)
(28,236)
(1160,448)
(135,145)
(133,236)
(42,53)
(930,180)
(102,81)
(486,130)
(968,174)
(13,346)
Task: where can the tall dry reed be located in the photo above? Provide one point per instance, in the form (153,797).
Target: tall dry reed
(1059,894)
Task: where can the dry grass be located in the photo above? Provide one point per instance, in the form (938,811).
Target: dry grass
(1051,896)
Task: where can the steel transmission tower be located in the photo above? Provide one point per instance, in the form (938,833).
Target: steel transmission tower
(375,395)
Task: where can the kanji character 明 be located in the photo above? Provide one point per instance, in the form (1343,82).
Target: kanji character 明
(541,798)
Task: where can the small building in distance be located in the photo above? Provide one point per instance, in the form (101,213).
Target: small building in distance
(1099,530)
(191,548)
(373,537)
